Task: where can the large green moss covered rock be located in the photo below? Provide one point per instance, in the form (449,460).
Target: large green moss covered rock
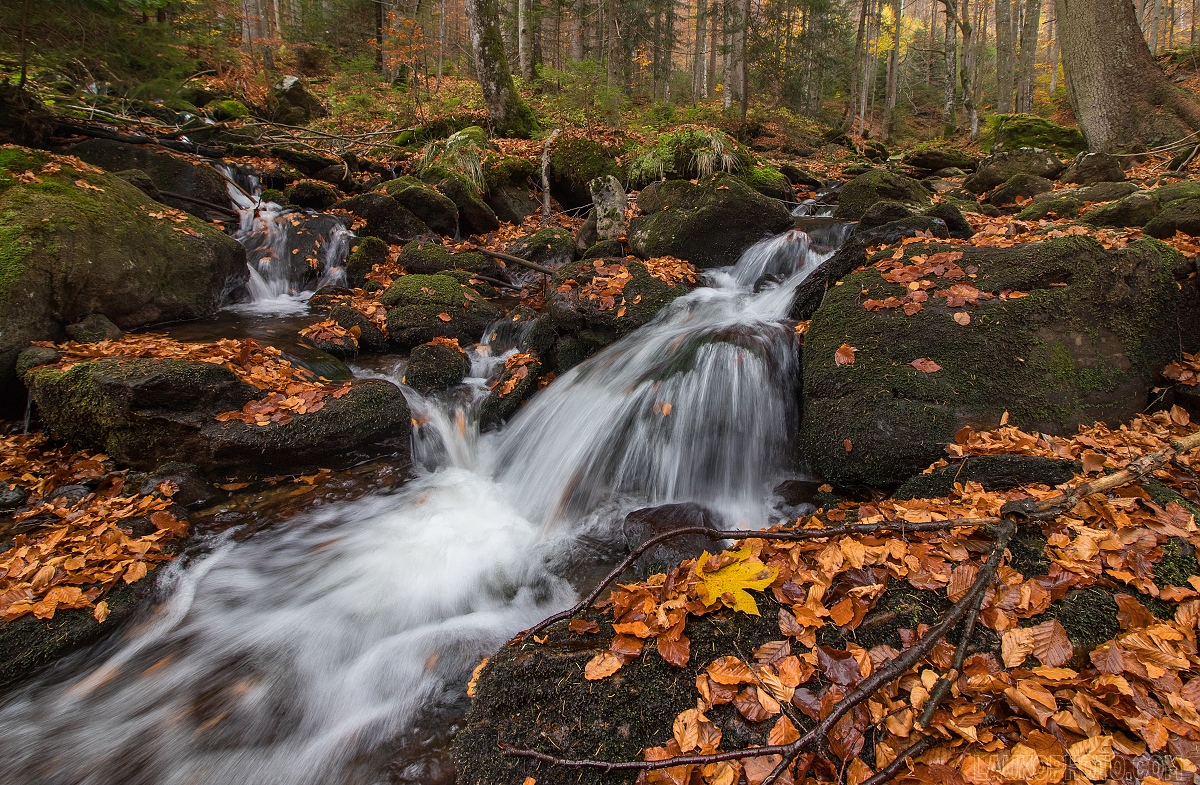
(311,194)
(1014,131)
(68,251)
(999,168)
(474,216)
(1133,210)
(1181,215)
(364,255)
(709,223)
(508,185)
(1063,355)
(170,174)
(424,307)
(146,412)
(428,257)
(435,366)
(876,186)
(575,162)
(552,247)
(438,211)
(769,181)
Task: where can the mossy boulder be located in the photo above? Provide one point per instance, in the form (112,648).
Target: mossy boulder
(1067,203)
(1133,210)
(94,328)
(290,103)
(1014,131)
(385,217)
(1181,215)
(309,163)
(1019,186)
(427,258)
(875,186)
(474,216)
(424,307)
(508,182)
(1059,357)
(370,337)
(1092,168)
(170,174)
(1062,207)
(229,109)
(769,181)
(709,223)
(67,252)
(433,367)
(884,211)
(311,194)
(575,162)
(574,311)
(146,412)
(689,153)
(934,157)
(438,211)
(552,247)
(364,255)
(999,168)
(993,472)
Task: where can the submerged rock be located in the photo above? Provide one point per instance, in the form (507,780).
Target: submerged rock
(146,412)
(709,223)
(71,251)
(1082,346)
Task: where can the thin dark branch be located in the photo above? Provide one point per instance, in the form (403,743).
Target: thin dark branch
(915,750)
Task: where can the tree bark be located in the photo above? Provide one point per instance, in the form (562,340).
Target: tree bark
(893,76)
(1121,98)
(578,47)
(510,115)
(1005,56)
(1028,63)
(855,68)
(525,40)
(949,115)
(612,46)
(699,62)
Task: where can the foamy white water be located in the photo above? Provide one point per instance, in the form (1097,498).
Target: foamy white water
(300,654)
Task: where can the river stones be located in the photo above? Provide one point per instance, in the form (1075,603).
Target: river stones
(429,257)
(708,223)
(1081,343)
(436,366)
(549,247)
(1092,168)
(861,193)
(999,168)
(509,181)
(146,412)
(385,217)
(424,307)
(72,250)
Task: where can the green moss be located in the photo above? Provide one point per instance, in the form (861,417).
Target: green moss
(575,162)
(1027,552)
(1013,131)
(865,190)
(1178,563)
(498,172)
(228,109)
(1047,208)
(15,245)
(433,367)
(687,154)
(1088,615)
(441,290)
(364,255)
(768,181)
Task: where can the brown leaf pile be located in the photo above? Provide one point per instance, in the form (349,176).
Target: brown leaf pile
(69,555)
(516,368)
(293,390)
(330,330)
(1038,712)
(671,270)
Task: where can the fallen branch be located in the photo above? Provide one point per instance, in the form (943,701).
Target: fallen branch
(202,202)
(892,769)
(514,259)
(747,534)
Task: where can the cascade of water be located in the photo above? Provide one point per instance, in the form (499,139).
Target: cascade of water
(305,653)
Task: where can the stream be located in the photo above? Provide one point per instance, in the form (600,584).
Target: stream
(334,648)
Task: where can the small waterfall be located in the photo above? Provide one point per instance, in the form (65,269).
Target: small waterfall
(289,252)
(307,654)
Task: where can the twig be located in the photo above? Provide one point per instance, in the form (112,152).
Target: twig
(888,772)
(746,534)
(514,259)
(942,687)
(203,203)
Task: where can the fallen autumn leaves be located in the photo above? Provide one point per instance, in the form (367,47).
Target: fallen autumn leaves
(1016,702)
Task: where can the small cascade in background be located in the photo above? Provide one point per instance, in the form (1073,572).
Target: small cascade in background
(290,252)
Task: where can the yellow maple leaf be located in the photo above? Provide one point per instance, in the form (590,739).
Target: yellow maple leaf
(734,579)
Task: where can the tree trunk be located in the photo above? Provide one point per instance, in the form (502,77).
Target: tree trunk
(578,47)
(893,77)
(1005,56)
(525,40)
(1030,28)
(510,115)
(949,116)
(612,44)
(714,16)
(700,55)
(859,43)
(743,65)
(1121,98)
(730,8)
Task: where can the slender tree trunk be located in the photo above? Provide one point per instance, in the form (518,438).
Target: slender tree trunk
(24,44)
(743,64)
(1121,98)
(1054,54)
(730,8)
(578,47)
(715,12)
(509,113)
(1030,28)
(1154,14)
(893,80)
(669,60)
(699,72)
(1005,56)
(859,43)
(525,40)
(949,115)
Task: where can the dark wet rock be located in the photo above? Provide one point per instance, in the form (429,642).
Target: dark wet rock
(993,472)
(586,236)
(364,255)
(191,489)
(608,206)
(34,357)
(429,257)
(1015,131)
(999,168)
(863,191)
(801,177)
(24,119)
(934,157)
(1062,356)
(1181,215)
(883,212)
(69,252)
(1062,207)
(291,103)
(474,216)
(709,223)
(769,181)
(304,160)
(1133,210)
(550,247)
(424,307)
(91,329)
(311,194)
(949,172)
(439,212)
(641,525)
(70,494)
(952,217)
(370,337)
(146,412)
(604,248)
(141,181)
(386,218)
(512,389)
(1067,203)
(575,162)
(1019,186)
(11,496)
(1092,168)
(337,175)
(433,367)
(169,173)
(508,188)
